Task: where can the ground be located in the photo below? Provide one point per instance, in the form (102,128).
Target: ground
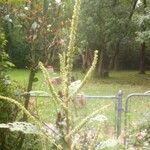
(127,81)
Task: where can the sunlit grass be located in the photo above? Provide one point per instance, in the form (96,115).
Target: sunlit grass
(127,81)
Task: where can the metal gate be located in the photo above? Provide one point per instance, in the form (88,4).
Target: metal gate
(117,110)
(146,94)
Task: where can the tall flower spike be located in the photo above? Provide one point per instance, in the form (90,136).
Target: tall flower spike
(73,28)
(62,58)
(71,48)
(88,74)
(50,86)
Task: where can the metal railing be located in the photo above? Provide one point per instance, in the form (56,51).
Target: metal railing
(118,108)
(118,105)
(145,94)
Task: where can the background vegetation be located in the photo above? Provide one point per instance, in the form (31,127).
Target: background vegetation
(117,28)
(33,30)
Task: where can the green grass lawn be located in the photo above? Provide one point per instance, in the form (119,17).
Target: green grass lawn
(127,81)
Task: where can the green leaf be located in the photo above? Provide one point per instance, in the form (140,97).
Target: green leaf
(24,127)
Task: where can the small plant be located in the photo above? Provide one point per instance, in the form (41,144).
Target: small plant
(140,136)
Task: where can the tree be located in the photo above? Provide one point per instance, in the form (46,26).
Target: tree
(107,29)
(142,19)
(143,45)
(110,28)
(93,21)
(38,28)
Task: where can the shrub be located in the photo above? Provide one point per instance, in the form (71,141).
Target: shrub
(18,49)
(8,111)
(140,136)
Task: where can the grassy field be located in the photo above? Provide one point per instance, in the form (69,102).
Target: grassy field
(127,81)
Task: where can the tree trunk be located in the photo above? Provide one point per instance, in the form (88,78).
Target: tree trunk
(143,46)
(114,3)
(142,58)
(116,64)
(133,8)
(45,7)
(114,60)
(2,139)
(29,88)
(87,58)
(26,104)
(102,70)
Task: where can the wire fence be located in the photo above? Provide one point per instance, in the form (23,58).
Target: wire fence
(121,110)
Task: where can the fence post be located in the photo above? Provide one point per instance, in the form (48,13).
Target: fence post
(119,112)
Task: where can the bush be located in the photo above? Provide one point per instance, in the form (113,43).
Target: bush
(140,136)
(18,49)
(8,111)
